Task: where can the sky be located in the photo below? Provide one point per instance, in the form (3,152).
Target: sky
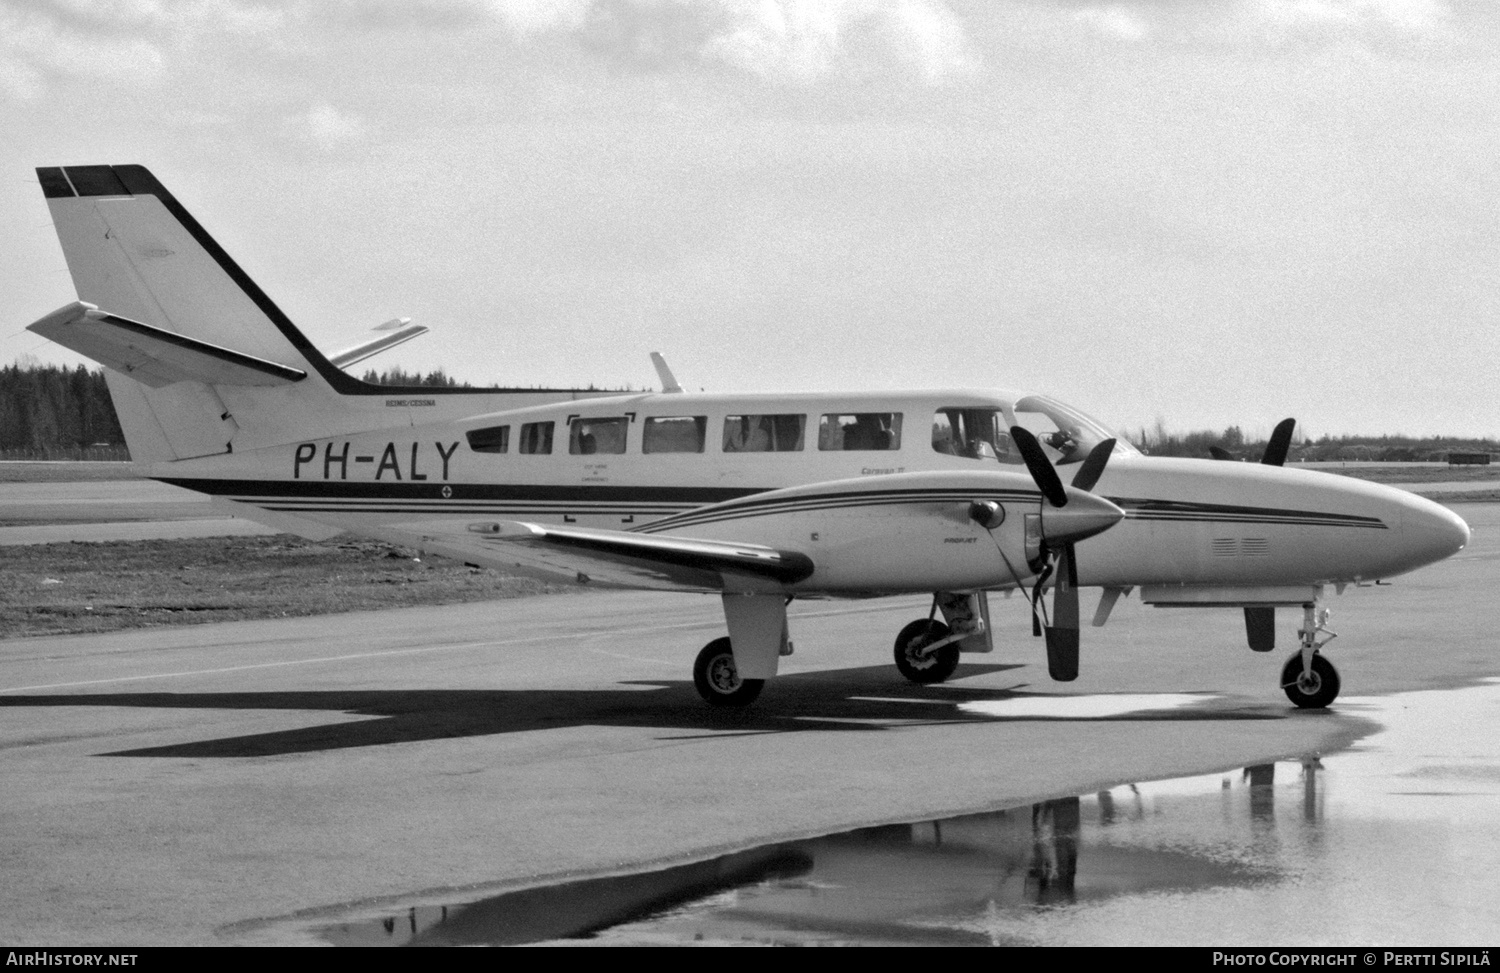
(1200,212)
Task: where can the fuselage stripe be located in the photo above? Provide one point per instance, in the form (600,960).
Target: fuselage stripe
(681,507)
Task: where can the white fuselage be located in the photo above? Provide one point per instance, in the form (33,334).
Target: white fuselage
(646,462)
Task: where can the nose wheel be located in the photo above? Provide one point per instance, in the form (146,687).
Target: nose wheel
(1312,689)
(1309,680)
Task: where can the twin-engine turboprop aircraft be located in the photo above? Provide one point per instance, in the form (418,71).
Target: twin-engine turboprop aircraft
(759,498)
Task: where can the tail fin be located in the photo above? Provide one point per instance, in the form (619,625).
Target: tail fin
(139,256)
(213,364)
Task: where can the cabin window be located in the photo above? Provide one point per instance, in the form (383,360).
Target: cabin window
(764,433)
(674,434)
(973,434)
(495,439)
(536,437)
(589,436)
(860,431)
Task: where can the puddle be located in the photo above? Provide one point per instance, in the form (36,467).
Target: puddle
(1392,842)
(1083,707)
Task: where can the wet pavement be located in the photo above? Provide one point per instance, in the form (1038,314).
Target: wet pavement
(1390,842)
(261,782)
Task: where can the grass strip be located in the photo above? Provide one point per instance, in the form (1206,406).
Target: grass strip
(77,588)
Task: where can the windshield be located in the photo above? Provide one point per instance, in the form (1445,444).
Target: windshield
(1067,434)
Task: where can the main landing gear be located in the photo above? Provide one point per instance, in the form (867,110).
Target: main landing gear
(927,650)
(923,655)
(1309,680)
(718,680)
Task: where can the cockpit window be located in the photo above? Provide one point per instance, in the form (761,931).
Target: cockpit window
(590,436)
(973,434)
(860,430)
(1067,433)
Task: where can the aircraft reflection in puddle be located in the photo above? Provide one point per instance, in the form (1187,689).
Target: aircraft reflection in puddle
(930,883)
(1393,841)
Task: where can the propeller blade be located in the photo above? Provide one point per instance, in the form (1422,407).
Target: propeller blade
(1062,634)
(1042,473)
(1281,441)
(1219,452)
(1093,467)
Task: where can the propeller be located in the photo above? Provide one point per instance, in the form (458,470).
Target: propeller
(1279,444)
(1068,515)
(1276,448)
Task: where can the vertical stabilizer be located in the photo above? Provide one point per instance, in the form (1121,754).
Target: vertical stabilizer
(135,252)
(202,361)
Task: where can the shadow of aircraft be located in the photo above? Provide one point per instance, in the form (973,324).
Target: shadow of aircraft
(848,700)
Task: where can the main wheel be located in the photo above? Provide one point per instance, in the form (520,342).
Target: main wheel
(925,668)
(1313,690)
(717,679)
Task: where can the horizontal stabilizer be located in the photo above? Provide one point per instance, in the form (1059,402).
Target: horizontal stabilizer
(155,356)
(397,331)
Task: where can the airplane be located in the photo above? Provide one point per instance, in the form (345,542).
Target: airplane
(759,498)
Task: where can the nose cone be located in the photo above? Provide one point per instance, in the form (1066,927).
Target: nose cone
(1084,516)
(1431,532)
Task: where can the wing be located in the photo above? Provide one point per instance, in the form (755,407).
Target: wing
(609,557)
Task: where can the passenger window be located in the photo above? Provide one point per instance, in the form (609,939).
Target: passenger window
(598,436)
(536,437)
(973,434)
(861,431)
(764,433)
(674,434)
(495,439)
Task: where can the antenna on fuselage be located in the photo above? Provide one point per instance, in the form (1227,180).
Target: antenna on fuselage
(668,380)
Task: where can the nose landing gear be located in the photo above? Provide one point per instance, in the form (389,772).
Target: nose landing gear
(1309,680)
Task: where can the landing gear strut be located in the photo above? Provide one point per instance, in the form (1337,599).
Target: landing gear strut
(1309,680)
(718,680)
(918,660)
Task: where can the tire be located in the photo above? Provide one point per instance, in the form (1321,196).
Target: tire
(1315,691)
(717,680)
(920,669)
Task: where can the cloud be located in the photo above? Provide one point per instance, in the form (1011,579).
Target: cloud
(1417,15)
(781,41)
(1259,21)
(330,129)
(35,46)
(1115,20)
(129,39)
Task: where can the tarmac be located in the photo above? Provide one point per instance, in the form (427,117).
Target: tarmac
(254,782)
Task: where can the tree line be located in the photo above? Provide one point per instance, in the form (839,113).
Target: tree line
(48,407)
(51,412)
(1157,441)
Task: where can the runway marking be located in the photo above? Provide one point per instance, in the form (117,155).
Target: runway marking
(408,651)
(635,658)
(274,665)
